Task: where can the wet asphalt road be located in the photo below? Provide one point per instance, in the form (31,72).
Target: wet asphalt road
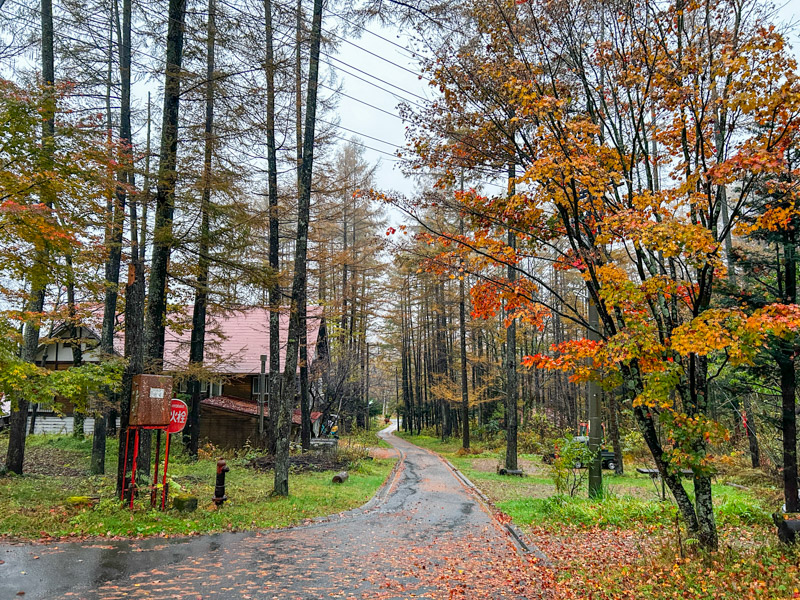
(424,535)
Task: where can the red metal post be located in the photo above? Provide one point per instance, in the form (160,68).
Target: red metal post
(154,485)
(125,464)
(164,481)
(133,466)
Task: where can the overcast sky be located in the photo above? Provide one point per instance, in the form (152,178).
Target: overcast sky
(371,121)
(374,116)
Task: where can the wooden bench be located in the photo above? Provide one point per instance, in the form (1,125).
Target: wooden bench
(655,475)
(324,444)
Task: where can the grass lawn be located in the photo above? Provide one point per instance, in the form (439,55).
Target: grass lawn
(628,545)
(366,438)
(34,505)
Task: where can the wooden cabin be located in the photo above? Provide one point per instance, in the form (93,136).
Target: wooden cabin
(235,342)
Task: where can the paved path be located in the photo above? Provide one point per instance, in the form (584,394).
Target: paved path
(424,536)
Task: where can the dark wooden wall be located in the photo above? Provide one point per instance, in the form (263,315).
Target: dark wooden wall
(239,387)
(227,429)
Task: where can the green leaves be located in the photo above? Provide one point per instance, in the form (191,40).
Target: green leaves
(20,379)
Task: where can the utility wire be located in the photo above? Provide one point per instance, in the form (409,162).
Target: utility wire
(380,37)
(399,66)
(402,89)
(358,133)
(375,85)
(393,156)
(364,102)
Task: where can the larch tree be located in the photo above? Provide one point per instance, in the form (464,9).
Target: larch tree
(299,283)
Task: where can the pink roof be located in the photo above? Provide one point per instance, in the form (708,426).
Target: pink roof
(232,404)
(249,407)
(235,340)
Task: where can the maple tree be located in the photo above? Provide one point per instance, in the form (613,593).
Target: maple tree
(630,125)
(52,199)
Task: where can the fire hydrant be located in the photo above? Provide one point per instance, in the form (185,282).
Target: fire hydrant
(219,488)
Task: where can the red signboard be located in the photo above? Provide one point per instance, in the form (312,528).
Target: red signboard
(178,414)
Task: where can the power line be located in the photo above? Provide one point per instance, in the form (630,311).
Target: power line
(337,59)
(380,37)
(292,9)
(353,131)
(350,140)
(143,53)
(375,85)
(345,40)
(364,102)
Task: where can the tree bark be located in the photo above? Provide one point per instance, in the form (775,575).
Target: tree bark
(462,329)
(114,242)
(75,330)
(511,359)
(789,430)
(789,388)
(441,358)
(274,232)
(462,323)
(134,310)
(305,409)
(165,196)
(198,336)
(646,425)
(281,486)
(155,314)
(750,427)
(613,431)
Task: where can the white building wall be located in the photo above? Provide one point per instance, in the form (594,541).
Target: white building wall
(61,425)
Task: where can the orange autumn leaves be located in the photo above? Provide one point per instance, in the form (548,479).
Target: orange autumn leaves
(515,298)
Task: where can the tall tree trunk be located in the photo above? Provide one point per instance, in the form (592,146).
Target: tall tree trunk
(155,314)
(198,336)
(165,196)
(405,362)
(750,427)
(462,327)
(305,408)
(117,216)
(613,431)
(113,257)
(366,383)
(274,254)
(363,349)
(441,359)
(511,359)
(75,335)
(134,305)
(789,430)
(15,456)
(281,486)
(789,388)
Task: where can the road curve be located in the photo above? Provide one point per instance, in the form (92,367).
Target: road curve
(425,536)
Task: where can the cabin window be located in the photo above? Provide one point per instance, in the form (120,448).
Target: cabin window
(183,388)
